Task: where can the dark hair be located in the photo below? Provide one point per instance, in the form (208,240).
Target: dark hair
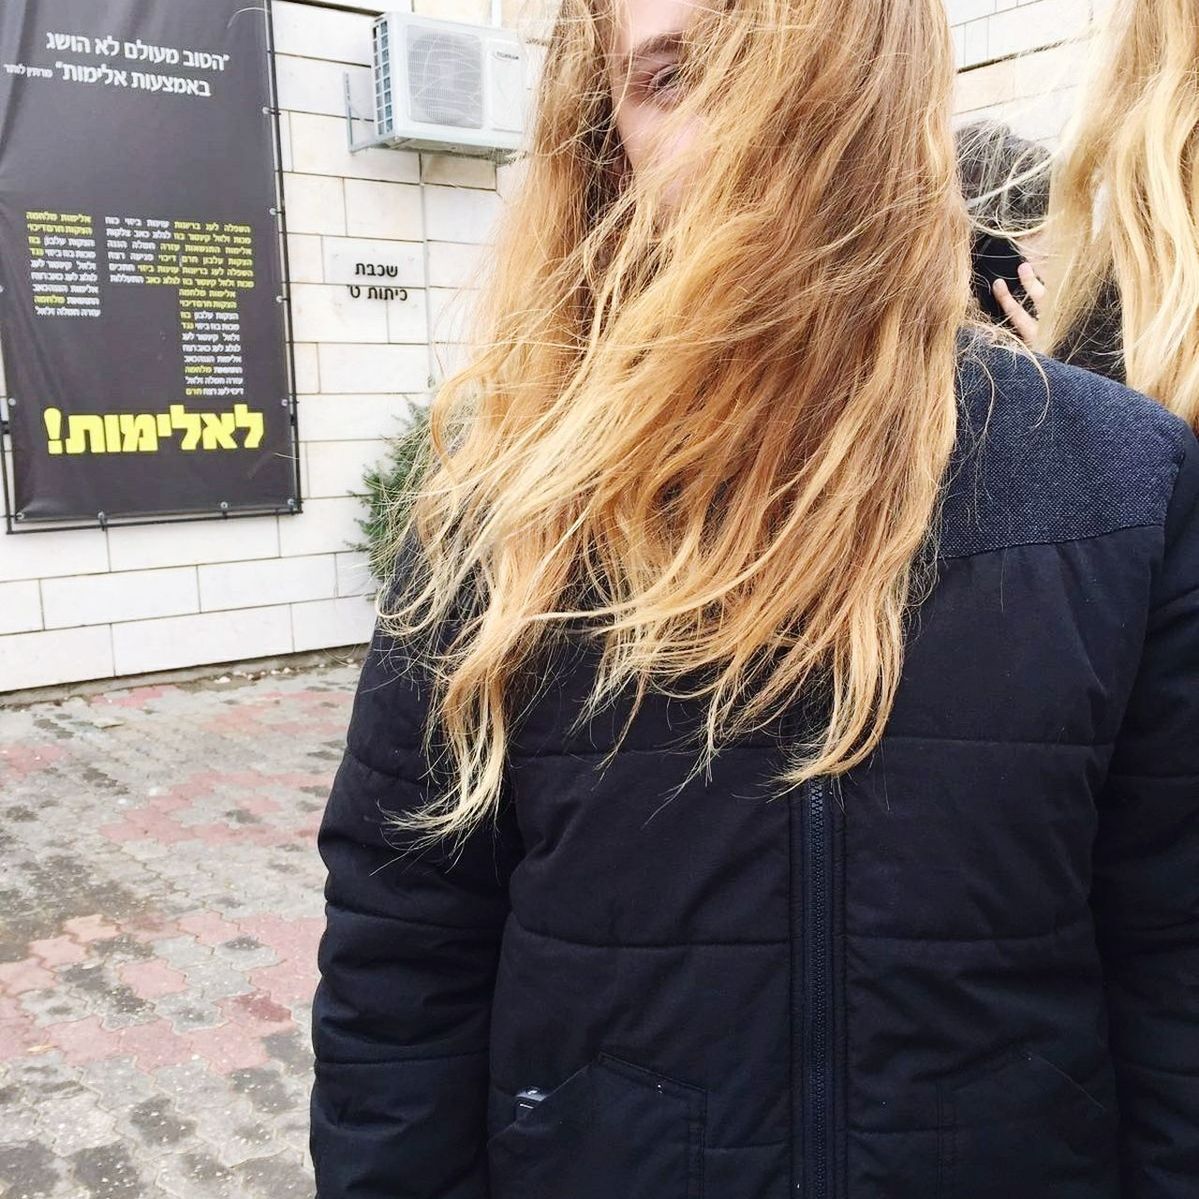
(1005,177)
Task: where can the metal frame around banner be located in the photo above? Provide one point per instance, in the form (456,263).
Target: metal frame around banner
(13,521)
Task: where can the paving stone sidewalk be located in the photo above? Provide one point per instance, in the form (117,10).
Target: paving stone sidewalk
(160,906)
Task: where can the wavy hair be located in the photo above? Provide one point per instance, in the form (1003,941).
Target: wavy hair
(1124,201)
(708,435)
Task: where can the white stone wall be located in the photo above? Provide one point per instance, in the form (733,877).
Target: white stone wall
(1021,62)
(91,603)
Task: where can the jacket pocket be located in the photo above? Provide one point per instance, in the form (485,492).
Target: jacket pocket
(1017,1124)
(612,1128)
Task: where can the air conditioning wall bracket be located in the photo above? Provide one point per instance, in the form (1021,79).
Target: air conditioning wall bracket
(369,143)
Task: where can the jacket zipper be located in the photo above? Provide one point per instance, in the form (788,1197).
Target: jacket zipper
(817,971)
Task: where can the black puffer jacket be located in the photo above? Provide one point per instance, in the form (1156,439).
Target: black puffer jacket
(967,970)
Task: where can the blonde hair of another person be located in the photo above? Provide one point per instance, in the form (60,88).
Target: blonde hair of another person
(708,426)
(1124,200)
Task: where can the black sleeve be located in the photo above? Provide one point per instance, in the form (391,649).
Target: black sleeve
(1146,882)
(407,967)
(1096,342)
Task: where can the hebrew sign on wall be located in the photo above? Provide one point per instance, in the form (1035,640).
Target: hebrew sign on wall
(141,322)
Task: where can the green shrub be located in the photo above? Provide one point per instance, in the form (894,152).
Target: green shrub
(391,486)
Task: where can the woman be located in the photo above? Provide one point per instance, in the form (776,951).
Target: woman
(1122,293)
(776,770)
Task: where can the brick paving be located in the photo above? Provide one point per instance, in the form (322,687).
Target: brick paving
(160,906)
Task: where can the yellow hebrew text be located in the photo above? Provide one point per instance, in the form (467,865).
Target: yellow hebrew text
(147,432)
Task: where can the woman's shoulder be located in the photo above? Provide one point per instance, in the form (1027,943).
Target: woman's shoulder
(1050,452)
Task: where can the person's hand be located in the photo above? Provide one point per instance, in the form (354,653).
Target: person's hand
(1023,320)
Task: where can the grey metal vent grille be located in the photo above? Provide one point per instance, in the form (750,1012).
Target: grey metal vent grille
(445,74)
(381,50)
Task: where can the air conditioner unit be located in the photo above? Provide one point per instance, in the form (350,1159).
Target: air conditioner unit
(448,86)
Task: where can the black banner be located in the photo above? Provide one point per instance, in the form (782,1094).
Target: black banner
(141,319)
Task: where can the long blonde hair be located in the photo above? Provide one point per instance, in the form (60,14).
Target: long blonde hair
(713,436)
(1124,201)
